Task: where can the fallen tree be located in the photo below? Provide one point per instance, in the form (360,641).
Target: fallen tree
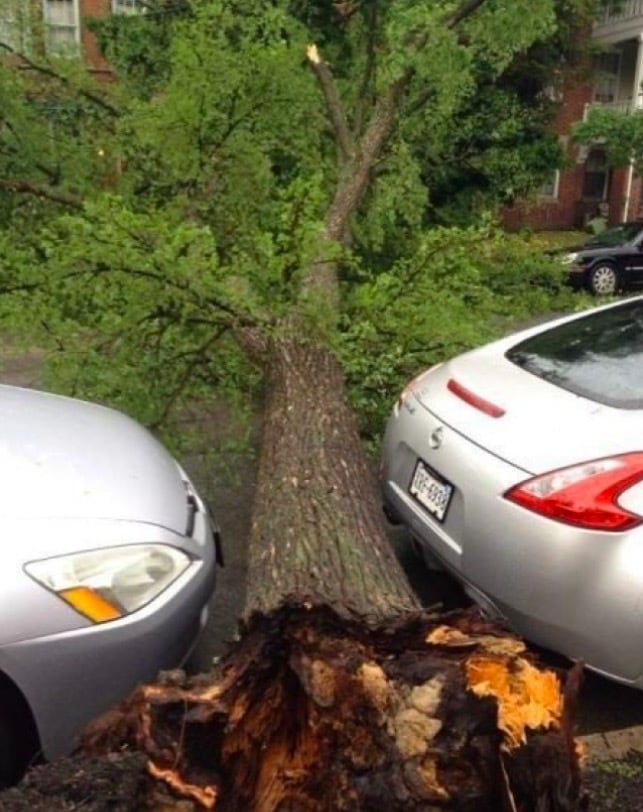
(342,694)
(314,711)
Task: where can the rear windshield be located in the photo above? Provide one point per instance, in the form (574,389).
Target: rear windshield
(616,236)
(598,356)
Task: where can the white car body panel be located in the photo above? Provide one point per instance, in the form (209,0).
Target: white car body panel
(74,477)
(574,590)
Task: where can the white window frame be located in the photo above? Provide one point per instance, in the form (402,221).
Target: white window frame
(549,189)
(127,7)
(51,45)
(15,27)
(607,83)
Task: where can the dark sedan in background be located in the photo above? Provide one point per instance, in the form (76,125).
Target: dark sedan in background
(610,261)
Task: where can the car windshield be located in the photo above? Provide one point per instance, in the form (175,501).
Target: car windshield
(617,235)
(598,356)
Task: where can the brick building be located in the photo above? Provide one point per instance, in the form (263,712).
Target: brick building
(587,184)
(572,196)
(59,26)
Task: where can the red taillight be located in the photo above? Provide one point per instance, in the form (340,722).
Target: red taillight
(474,400)
(585,495)
(409,389)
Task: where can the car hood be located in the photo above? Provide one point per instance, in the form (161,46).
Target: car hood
(600,251)
(62,458)
(542,426)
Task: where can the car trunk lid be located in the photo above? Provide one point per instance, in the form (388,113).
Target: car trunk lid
(522,418)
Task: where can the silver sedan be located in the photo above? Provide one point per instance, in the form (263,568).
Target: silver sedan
(518,467)
(107,565)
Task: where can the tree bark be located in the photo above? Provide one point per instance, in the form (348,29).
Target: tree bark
(317,530)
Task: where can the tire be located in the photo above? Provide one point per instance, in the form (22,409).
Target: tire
(603,280)
(19,743)
(10,766)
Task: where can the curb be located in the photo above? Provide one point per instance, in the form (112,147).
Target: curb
(611,744)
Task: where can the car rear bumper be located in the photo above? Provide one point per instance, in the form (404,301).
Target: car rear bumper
(71,677)
(574,591)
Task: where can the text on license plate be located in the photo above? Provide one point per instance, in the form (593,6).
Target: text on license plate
(431,491)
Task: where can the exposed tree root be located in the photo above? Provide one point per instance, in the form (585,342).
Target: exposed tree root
(310,712)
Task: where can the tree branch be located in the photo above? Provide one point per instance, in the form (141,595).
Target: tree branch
(46,70)
(378,130)
(345,144)
(41,190)
(365,95)
(465,10)
(10,149)
(321,278)
(351,188)
(195,359)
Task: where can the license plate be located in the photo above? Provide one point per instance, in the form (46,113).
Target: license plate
(431,490)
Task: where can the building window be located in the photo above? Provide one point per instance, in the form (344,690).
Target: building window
(596,175)
(62,26)
(607,73)
(14,25)
(127,6)
(549,188)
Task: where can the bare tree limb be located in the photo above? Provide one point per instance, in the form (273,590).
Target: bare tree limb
(334,104)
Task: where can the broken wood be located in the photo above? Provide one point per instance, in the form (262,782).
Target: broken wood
(311,712)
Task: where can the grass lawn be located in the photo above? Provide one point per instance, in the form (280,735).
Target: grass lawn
(616,786)
(551,240)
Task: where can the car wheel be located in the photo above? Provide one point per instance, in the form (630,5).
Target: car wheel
(603,280)
(19,744)
(10,767)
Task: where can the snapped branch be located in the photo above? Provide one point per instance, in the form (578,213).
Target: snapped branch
(334,105)
(363,156)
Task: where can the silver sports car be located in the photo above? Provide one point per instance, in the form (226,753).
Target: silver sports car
(518,466)
(107,563)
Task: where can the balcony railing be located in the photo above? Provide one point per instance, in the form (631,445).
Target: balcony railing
(620,106)
(623,10)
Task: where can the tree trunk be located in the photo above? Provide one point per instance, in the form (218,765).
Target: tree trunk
(317,531)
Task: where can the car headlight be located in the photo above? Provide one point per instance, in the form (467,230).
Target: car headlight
(568,259)
(107,584)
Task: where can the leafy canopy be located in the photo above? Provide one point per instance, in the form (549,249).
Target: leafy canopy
(167,212)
